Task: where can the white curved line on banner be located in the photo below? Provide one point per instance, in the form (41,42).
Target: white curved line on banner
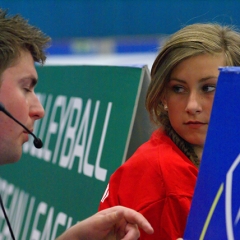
(228,198)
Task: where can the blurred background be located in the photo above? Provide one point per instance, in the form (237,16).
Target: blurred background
(93,32)
(116,32)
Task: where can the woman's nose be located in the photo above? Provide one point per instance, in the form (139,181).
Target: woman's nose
(194,104)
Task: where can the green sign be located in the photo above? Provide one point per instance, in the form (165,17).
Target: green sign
(94,120)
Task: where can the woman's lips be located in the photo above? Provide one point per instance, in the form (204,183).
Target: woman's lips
(195,124)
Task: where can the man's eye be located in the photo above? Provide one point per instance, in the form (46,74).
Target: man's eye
(27,89)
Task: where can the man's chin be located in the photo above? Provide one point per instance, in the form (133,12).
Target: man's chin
(2,162)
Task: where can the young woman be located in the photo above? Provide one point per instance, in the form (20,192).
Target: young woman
(159,179)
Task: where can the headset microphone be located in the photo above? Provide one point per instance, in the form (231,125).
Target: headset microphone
(37,141)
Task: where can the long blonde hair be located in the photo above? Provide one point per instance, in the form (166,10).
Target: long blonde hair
(190,41)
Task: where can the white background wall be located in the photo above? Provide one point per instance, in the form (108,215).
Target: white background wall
(100,59)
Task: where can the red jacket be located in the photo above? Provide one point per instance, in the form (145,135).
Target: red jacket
(157,181)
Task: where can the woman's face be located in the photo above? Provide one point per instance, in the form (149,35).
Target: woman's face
(189,96)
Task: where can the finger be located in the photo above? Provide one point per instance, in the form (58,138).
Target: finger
(120,228)
(129,215)
(131,232)
(134,217)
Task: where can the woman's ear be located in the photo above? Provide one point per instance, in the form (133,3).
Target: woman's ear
(164,102)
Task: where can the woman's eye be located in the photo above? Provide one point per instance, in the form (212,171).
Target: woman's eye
(209,88)
(178,89)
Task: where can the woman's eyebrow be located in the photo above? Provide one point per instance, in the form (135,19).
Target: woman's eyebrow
(176,79)
(200,80)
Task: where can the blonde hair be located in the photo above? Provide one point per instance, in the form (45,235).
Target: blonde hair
(190,41)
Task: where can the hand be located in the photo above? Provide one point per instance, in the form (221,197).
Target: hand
(112,223)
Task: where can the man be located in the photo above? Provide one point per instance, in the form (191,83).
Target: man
(21,45)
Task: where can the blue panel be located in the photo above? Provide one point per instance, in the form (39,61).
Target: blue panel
(215,212)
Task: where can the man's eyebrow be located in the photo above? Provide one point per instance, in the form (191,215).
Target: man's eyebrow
(33,81)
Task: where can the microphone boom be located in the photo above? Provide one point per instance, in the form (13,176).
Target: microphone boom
(37,141)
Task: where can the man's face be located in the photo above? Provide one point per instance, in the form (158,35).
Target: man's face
(18,96)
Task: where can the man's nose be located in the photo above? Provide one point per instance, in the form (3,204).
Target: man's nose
(36,109)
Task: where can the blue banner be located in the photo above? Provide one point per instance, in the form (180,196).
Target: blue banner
(215,210)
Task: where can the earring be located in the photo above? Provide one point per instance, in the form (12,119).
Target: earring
(165,107)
